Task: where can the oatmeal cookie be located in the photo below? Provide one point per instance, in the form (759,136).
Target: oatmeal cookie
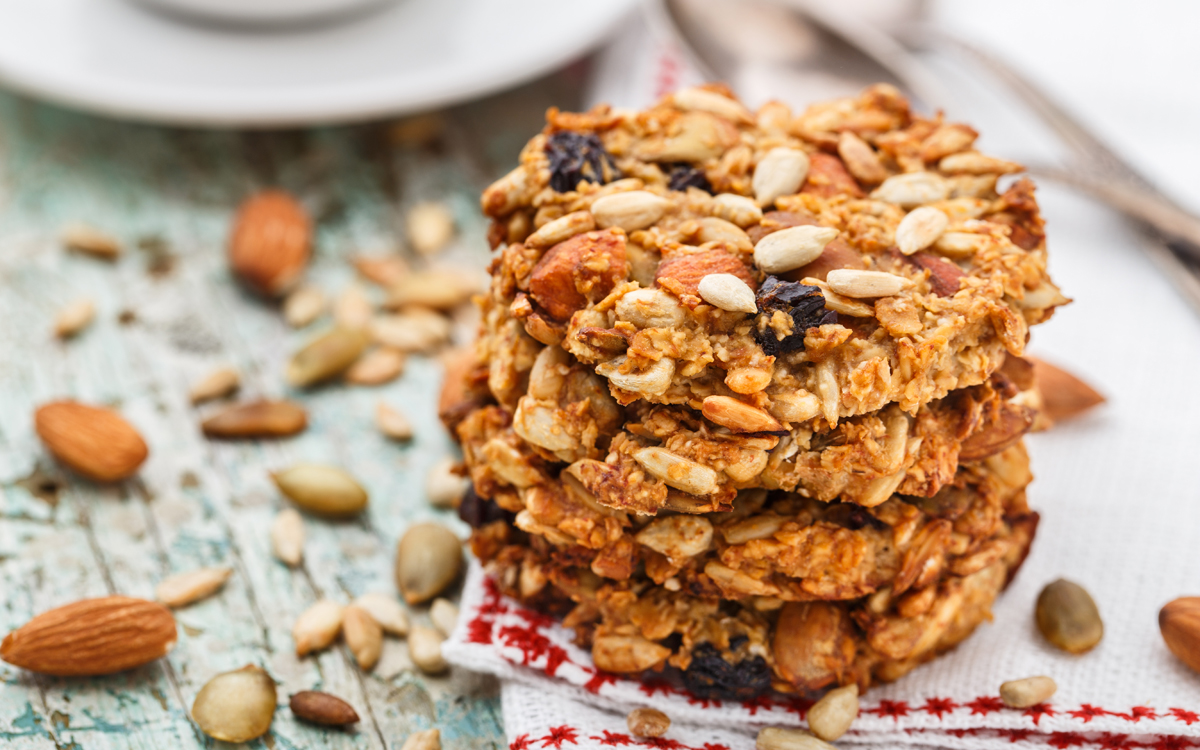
(892,586)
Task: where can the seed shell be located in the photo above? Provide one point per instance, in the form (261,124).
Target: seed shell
(236,706)
(1068,618)
(428,559)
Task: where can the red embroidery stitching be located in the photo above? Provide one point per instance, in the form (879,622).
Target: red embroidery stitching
(1187,717)
(1087,712)
(614,739)
(1137,713)
(894,709)
(984,705)
(599,679)
(559,735)
(1063,740)
(1037,712)
(522,742)
(938,706)
(1109,741)
(664,743)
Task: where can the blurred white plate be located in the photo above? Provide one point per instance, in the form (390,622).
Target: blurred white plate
(117,58)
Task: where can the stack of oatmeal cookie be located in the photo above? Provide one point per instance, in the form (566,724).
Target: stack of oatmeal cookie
(747,400)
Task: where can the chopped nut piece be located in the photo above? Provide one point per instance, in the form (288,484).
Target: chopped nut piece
(91,241)
(1027,692)
(647,722)
(430,227)
(192,586)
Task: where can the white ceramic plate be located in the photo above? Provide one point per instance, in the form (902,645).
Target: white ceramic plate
(119,58)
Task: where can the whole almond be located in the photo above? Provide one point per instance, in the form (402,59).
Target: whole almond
(236,706)
(386,611)
(317,627)
(91,440)
(220,382)
(363,636)
(1179,622)
(322,708)
(271,242)
(325,357)
(256,419)
(1063,395)
(324,490)
(92,637)
(192,586)
(74,318)
(91,241)
(287,537)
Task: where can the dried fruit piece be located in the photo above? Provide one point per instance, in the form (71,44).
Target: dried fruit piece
(74,318)
(647,722)
(324,490)
(317,627)
(430,227)
(92,637)
(443,613)
(1063,395)
(777,738)
(325,357)
(804,304)
(445,488)
(322,708)
(392,423)
(256,419)
(1068,618)
(576,157)
(192,586)
(866,284)
(831,717)
(363,636)
(271,242)
(303,306)
(94,442)
(425,650)
(429,739)
(236,706)
(287,537)
(218,383)
(386,611)
(727,292)
(91,241)
(1179,623)
(684,176)
(428,559)
(376,367)
(1027,692)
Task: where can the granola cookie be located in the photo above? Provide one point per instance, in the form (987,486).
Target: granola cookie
(879,592)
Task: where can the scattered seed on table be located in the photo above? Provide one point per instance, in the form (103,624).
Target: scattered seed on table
(322,708)
(444,488)
(192,586)
(236,706)
(386,611)
(443,613)
(428,559)
(317,627)
(647,722)
(287,537)
(832,715)
(425,649)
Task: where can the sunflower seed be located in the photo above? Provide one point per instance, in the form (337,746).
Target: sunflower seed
(303,306)
(425,649)
(74,318)
(325,357)
(632,210)
(831,717)
(776,738)
(392,423)
(322,708)
(654,381)
(428,559)
(415,330)
(384,270)
(865,284)
(218,383)
(913,189)
(324,490)
(378,366)
(444,488)
(353,309)
(185,588)
(973,162)
(860,159)
(1027,692)
(430,227)
(678,472)
(256,419)
(236,706)
(287,537)
(444,616)
(959,244)
(435,288)
(702,100)
(91,241)
(727,292)
(647,722)
(780,172)
(429,739)
(736,209)
(317,627)
(386,611)
(677,537)
(791,248)
(920,228)
(363,635)
(562,228)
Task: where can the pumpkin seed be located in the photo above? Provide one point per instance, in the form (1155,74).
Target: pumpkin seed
(322,708)
(236,706)
(443,613)
(192,586)
(287,537)
(425,650)
(831,717)
(386,611)
(1068,617)
(428,559)
(324,490)
(363,636)
(325,357)
(317,627)
(445,488)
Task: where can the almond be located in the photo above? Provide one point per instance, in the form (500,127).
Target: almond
(827,177)
(91,440)
(271,242)
(681,275)
(585,267)
(256,419)
(92,637)
(1179,622)
(1063,395)
(322,708)
(999,430)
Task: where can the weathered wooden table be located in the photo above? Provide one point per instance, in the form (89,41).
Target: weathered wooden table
(168,312)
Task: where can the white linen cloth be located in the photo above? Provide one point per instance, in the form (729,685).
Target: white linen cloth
(1117,490)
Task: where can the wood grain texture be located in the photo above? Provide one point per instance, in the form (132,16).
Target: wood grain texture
(168,313)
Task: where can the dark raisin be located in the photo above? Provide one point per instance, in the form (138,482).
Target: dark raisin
(803,303)
(853,517)
(576,157)
(684,176)
(711,676)
(477,511)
